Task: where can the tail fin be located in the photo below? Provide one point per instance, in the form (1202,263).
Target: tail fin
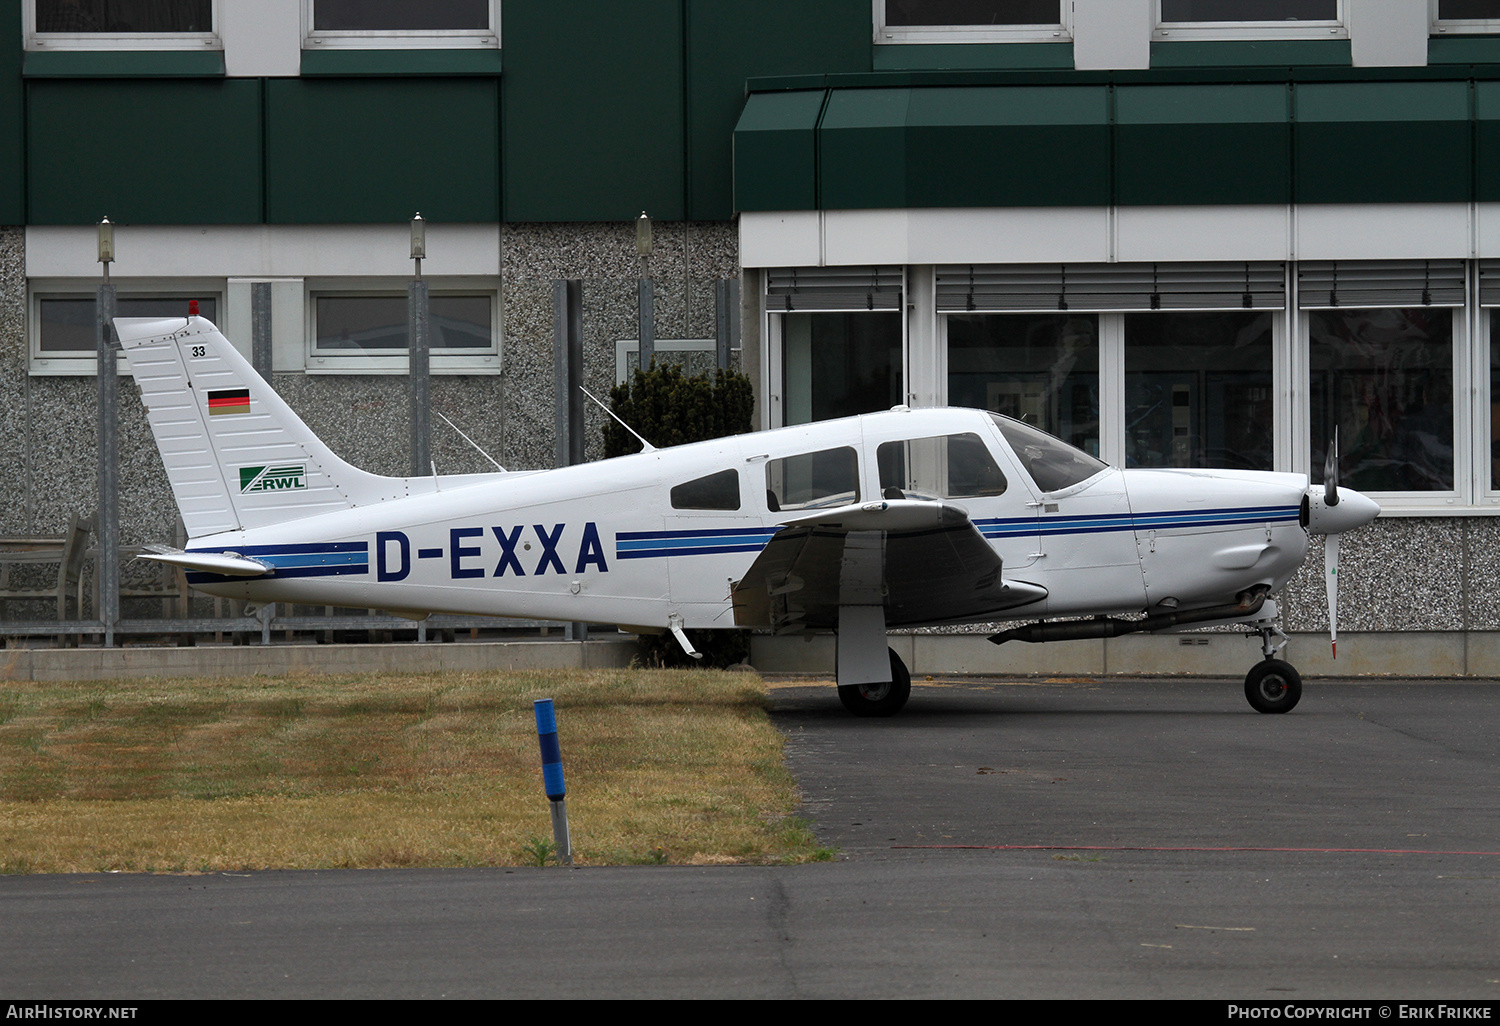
(236,455)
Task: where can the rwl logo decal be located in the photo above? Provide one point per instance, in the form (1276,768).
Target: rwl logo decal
(273,479)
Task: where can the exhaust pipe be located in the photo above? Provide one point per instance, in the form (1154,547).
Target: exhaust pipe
(1247,604)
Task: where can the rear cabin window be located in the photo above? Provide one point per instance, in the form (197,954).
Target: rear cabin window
(716,491)
(942,467)
(813,480)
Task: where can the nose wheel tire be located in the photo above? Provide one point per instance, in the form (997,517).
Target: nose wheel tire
(884,699)
(1273,686)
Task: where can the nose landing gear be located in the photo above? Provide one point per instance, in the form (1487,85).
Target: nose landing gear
(1272,686)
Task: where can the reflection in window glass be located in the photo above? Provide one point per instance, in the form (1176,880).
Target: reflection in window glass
(1198,390)
(1248,10)
(399,15)
(972,12)
(1039,368)
(1052,463)
(1468,10)
(67,324)
(121,16)
(1385,378)
(840,364)
(716,491)
(365,323)
(1495,400)
(944,467)
(813,479)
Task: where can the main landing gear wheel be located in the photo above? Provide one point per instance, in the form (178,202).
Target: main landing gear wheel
(879,699)
(1273,686)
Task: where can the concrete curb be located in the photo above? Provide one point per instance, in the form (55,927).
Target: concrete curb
(278,660)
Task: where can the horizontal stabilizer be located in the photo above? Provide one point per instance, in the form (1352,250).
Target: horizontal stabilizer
(230,564)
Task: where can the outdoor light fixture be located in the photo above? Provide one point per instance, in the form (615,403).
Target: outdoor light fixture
(106,244)
(643,235)
(418,237)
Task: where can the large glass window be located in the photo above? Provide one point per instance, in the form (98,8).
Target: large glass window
(63,324)
(1385,379)
(1468,15)
(1198,390)
(1042,369)
(1248,10)
(972,12)
(366,332)
(384,23)
(66,324)
(1250,19)
(114,17)
(379,323)
(840,364)
(911,21)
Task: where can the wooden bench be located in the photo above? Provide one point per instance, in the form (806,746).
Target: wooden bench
(69,554)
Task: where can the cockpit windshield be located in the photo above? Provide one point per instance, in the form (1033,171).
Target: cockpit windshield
(1052,463)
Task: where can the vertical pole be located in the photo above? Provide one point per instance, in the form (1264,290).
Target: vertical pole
(567,372)
(108,569)
(648,323)
(421,417)
(726,318)
(260,328)
(552,777)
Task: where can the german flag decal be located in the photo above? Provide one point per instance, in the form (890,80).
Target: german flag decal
(228,400)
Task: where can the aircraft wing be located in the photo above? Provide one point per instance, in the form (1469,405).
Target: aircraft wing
(925,562)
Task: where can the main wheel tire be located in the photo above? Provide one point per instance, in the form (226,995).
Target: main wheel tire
(1273,686)
(879,699)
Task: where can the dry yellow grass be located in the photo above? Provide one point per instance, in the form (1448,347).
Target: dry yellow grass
(380,771)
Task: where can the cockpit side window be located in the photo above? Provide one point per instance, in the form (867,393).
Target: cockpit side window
(716,491)
(943,467)
(813,480)
(1052,463)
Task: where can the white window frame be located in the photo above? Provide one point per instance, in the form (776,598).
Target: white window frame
(438,39)
(898,34)
(1460,26)
(1462,495)
(85,363)
(75,41)
(1480,422)
(441,361)
(1240,30)
(624,347)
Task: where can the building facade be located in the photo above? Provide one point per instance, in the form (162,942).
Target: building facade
(1176,233)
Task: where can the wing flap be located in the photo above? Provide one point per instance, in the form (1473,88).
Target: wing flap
(924,562)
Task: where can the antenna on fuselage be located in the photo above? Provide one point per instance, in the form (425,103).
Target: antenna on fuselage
(645,445)
(471,441)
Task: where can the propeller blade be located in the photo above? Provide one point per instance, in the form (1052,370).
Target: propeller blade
(1331,472)
(1331,577)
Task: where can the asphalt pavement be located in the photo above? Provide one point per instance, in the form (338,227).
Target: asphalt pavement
(1001,838)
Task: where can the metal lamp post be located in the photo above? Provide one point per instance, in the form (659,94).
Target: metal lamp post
(647,314)
(417,307)
(108,570)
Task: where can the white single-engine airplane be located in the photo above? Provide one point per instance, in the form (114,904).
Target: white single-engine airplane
(900,519)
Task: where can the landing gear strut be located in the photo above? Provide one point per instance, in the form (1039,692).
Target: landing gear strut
(1272,686)
(884,699)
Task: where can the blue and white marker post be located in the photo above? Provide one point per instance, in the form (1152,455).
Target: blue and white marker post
(552,778)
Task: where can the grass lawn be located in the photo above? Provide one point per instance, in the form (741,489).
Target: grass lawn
(367,771)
